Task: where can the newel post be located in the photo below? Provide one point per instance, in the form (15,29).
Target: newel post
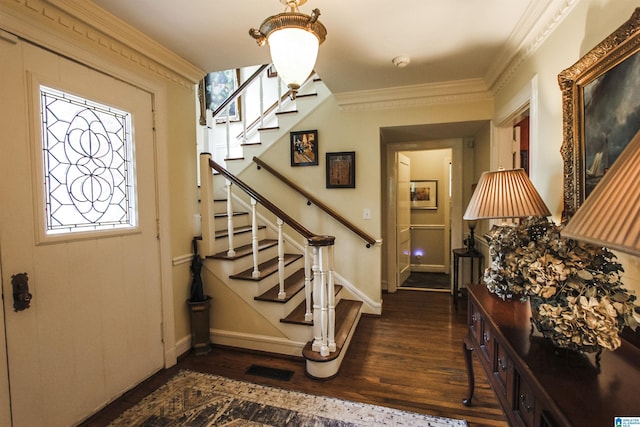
(207,244)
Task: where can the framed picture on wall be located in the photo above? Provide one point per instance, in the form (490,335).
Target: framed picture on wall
(218,86)
(304,148)
(600,103)
(424,194)
(341,169)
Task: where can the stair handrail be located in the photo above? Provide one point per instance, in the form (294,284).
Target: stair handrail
(236,93)
(311,199)
(273,106)
(312,238)
(321,246)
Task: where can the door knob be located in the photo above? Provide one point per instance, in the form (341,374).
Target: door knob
(21,295)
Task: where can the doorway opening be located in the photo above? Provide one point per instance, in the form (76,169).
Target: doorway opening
(429,222)
(459,139)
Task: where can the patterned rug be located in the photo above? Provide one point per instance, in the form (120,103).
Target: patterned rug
(195,399)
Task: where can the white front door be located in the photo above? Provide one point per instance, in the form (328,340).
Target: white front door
(93,328)
(403,219)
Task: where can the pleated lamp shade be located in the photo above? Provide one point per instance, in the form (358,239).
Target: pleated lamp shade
(505,194)
(610,216)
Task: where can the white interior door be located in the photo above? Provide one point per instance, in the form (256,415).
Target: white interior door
(93,329)
(403,219)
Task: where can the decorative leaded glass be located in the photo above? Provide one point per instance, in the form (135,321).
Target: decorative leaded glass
(88,164)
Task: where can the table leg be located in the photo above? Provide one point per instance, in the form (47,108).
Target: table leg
(467,349)
(455,281)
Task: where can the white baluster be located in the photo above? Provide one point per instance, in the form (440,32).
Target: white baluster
(207,136)
(279,94)
(308,314)
(262,100)
(254,239)
(243,114)
(324,348)
(317,291)
(228,131)
(281,293)
(207,245)
(331,300)
(231,251)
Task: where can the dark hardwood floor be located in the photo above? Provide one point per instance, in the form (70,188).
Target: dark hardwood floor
(409,358)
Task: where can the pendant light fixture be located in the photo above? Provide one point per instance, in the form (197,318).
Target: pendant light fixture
(293,39)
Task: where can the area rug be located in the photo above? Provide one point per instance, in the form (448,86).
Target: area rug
(196,399)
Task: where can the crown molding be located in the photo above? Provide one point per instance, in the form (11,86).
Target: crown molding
(538,22)
(452,92)
(43,20)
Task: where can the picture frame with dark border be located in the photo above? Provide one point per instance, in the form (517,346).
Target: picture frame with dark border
(424,194)
(341,169)
(304,148)
(591,90)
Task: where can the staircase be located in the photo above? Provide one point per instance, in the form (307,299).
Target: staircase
(235,143)
(288,312)
(286,281)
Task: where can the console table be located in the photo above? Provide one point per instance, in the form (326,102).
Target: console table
(538,385)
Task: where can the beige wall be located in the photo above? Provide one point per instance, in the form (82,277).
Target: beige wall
(183,192)
(357,131)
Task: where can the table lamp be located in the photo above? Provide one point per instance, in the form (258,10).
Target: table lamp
(610,216)
(506,193)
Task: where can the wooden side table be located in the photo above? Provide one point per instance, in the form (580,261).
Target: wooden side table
(473,255)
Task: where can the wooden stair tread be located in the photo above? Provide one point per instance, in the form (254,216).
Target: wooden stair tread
(266,268)
(236,230)
(347,312)
(306,95)
(297,314)
(245,250)
(269,128)
(281,113)
(292,285)
(224,214)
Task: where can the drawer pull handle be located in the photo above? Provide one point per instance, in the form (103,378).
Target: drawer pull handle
(523,399)
(487,336)
(502,363)
(475,317)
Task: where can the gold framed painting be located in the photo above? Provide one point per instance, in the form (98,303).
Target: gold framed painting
(601,110)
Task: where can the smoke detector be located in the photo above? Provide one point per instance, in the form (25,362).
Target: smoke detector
(401,61)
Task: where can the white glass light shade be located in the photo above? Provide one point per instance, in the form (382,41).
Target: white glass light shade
(293,52)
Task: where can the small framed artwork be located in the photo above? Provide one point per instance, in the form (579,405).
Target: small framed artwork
(304,148)
(424,194)
(341,169)
(219,86)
